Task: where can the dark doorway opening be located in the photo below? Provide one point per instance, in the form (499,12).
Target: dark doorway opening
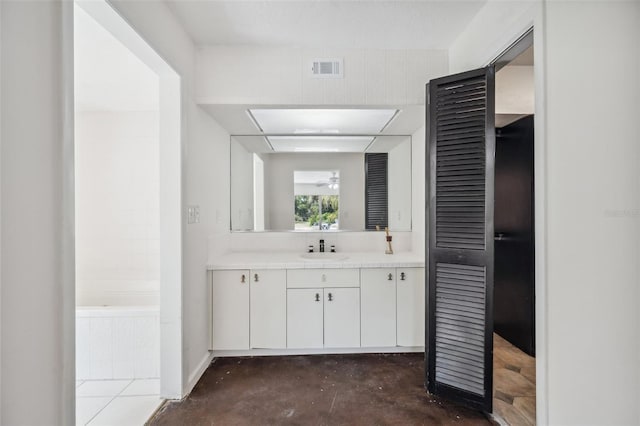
(514,290)
(514,388)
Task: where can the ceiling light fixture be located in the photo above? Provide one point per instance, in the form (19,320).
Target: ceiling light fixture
(319,143)
(322,121)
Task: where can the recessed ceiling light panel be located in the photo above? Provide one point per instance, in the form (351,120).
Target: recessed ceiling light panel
(322,121)
(320,143)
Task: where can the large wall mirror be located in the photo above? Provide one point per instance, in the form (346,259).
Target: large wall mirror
(312,183)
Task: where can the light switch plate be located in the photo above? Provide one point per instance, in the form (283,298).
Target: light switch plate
(193,214)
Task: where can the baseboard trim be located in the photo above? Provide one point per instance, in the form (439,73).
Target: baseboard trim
(320,351)
(194,377)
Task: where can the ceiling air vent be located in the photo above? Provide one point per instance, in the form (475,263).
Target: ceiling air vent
(327,68)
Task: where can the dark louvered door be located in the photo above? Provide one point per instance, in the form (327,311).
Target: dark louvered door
(376,191)
(461,156)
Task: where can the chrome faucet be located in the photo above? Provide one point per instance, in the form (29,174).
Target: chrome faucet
(321,246)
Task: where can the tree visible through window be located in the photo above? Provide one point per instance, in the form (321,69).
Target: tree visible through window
(316,211)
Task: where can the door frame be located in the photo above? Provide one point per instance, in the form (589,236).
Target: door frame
(171,223)
(529,35)
(497,53)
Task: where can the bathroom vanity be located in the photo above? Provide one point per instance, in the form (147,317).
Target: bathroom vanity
(311,171)
(288,303)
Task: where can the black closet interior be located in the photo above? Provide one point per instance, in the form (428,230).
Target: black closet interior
(514,290)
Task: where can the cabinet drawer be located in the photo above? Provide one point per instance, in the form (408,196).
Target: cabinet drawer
(320,278)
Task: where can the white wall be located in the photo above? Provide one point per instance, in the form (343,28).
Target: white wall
(592,94)
(279,75)
(207,185)
(362,241)
(117,208)
(587,63)
(399,186)
(1,244)
(279,186)
(494,28)
(241,187)
(37,237)
(418,182)
(515,90)
(258,192)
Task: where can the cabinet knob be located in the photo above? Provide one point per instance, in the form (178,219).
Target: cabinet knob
(255,278)
(390,277)
(317,297)
(330,297)
(324,278)
(243,278)
(402,276)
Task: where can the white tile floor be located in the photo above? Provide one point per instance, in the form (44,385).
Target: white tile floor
(116,402)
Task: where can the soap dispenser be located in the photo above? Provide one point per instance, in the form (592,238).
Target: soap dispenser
(389,249)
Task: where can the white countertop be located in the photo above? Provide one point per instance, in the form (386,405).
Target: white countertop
(259,260)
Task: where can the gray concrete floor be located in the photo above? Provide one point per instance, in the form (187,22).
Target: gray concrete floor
(363,389)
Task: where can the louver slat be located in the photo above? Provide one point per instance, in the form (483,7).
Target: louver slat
(460,164)
(460,317)
(461,87)
(457,118)
(461,120)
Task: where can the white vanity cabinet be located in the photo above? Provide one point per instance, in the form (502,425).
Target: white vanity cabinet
(268,308)
(378,307)
(410,306)
(323,308)
(230,309)
(270,311)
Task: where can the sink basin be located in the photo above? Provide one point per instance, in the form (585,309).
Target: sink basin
(324,256)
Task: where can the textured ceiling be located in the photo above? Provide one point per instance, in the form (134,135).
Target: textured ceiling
(426,24)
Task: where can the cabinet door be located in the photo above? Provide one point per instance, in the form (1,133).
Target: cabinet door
(341,317)
(304,318)
(268,309)
(411,304)
(378,293)
(230,306)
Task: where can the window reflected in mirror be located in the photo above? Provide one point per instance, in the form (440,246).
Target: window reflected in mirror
(316,200)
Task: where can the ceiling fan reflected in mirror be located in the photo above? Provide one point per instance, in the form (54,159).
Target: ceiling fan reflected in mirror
(334,182)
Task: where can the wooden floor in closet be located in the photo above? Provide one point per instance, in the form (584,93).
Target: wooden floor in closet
(514,384)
